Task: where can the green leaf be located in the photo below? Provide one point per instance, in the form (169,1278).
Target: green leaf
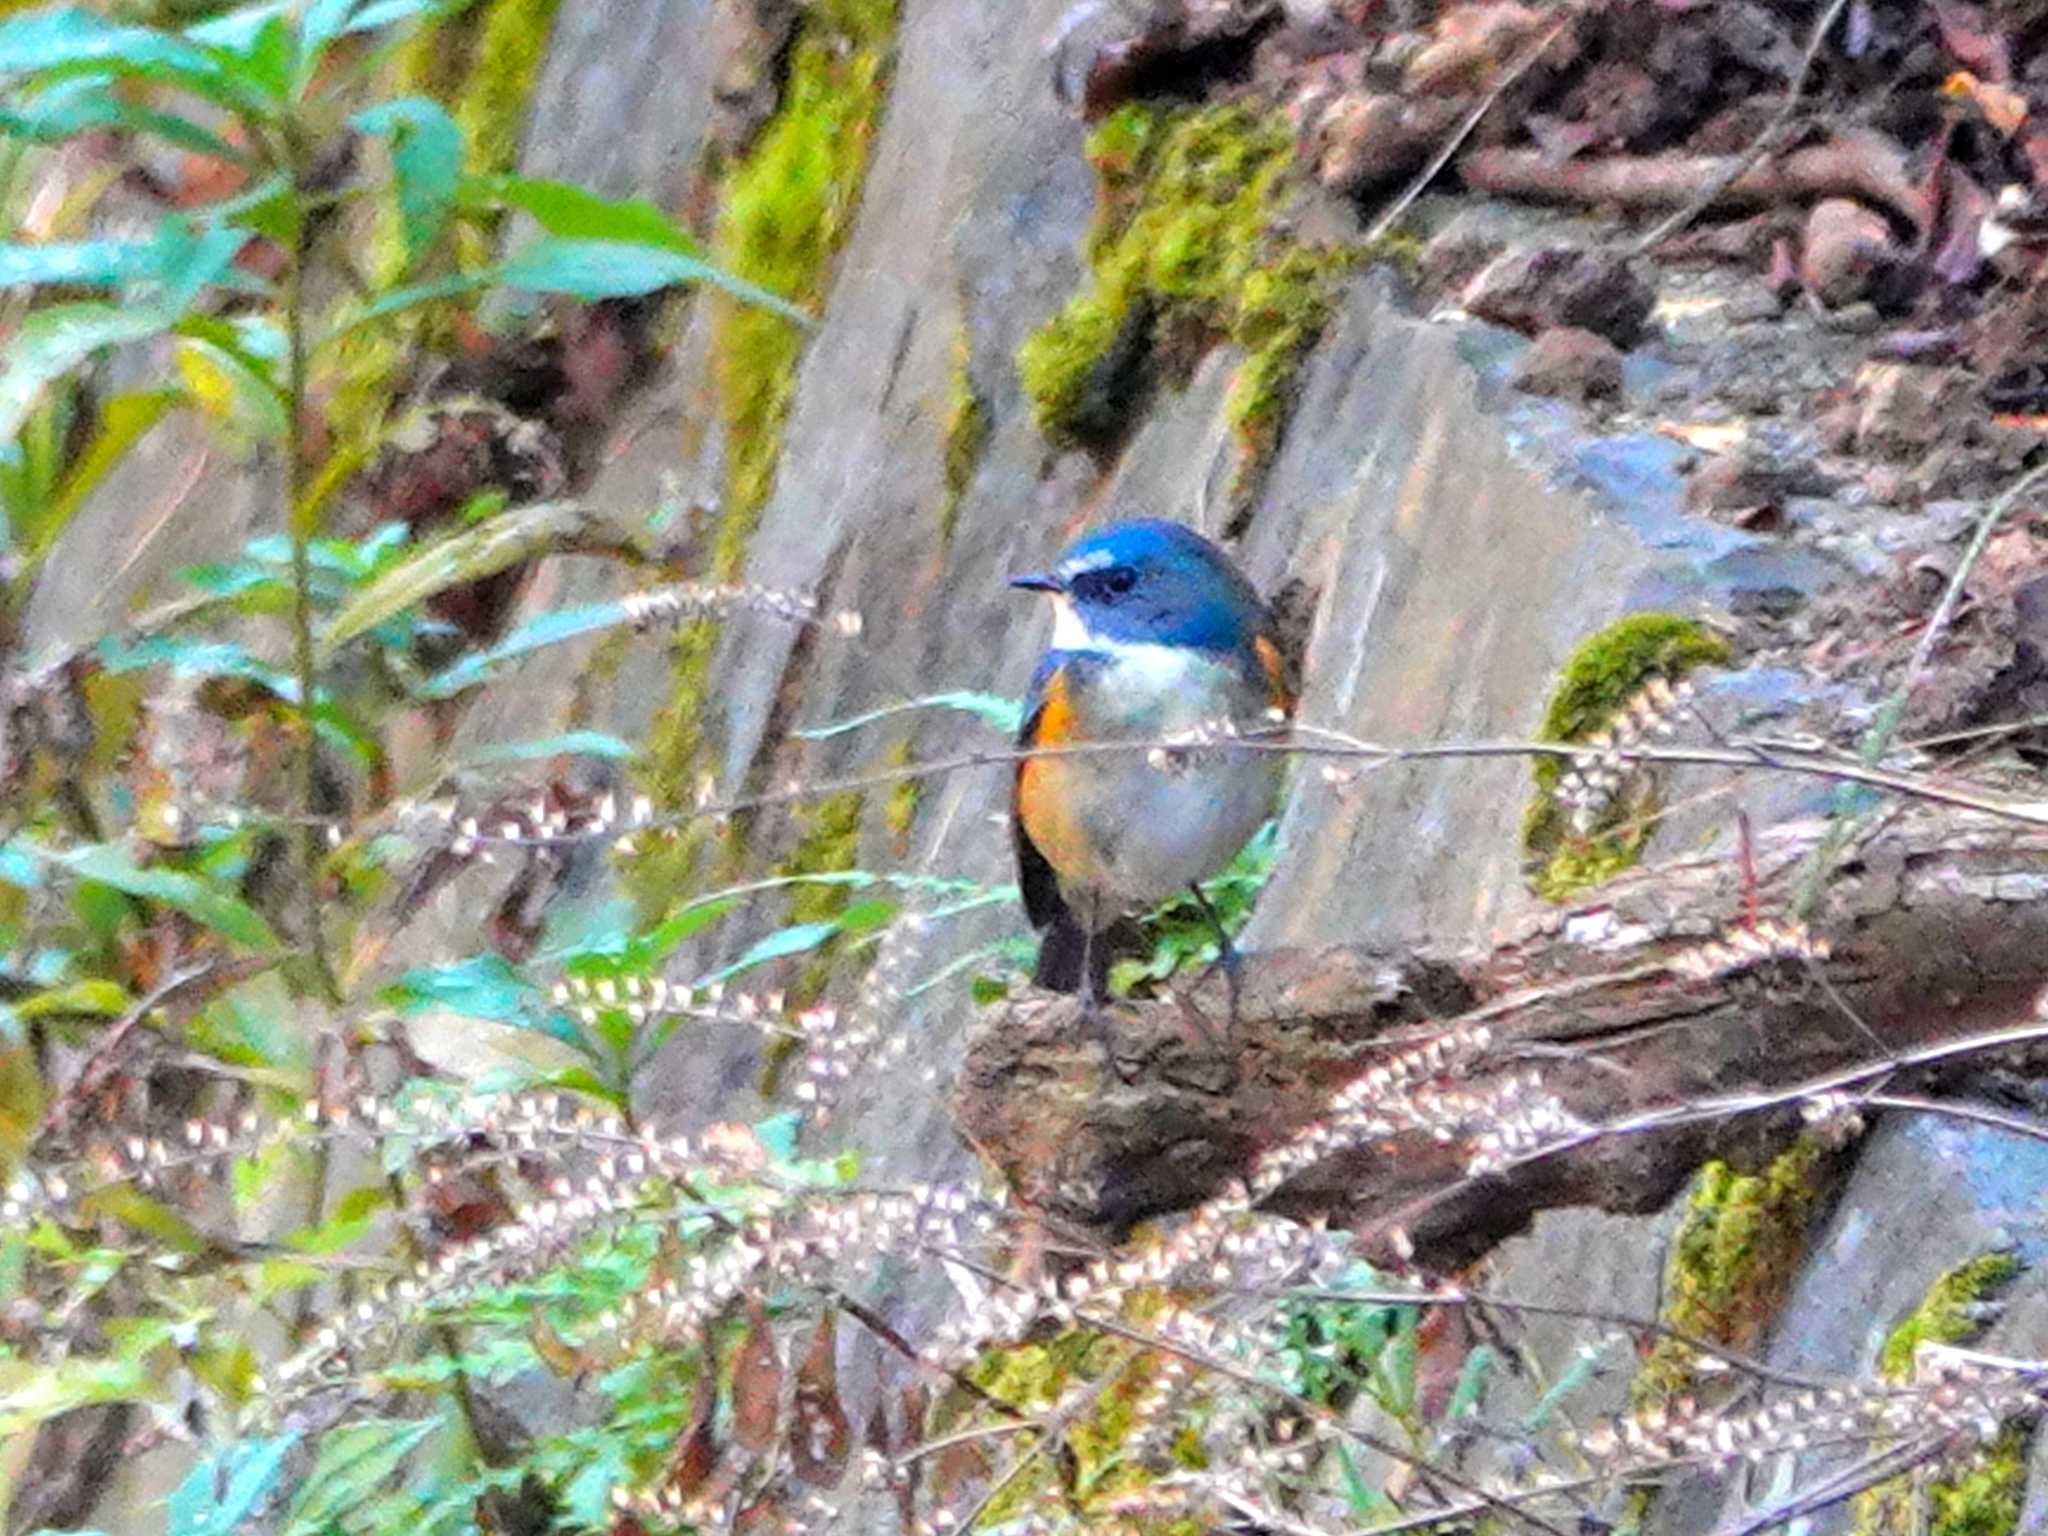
(53,341)
(426,158)
(355,1461)
(1005,714)
(483,986)
(108,999)
(574,212)
(229,1486)
(468,556)
(551,628)
(195,658)
(397,300)
(72,107)
(200,899)
(152,1218)
(80,263)
(228,389)
(779,1133)
(58,44)
(577,743)
(124,421)
(1464,1399)
(32,1391)
(612,269)
(797,939)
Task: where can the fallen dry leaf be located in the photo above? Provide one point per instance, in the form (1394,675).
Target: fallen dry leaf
(2002,107)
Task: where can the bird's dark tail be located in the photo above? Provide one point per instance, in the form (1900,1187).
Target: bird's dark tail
(1069,960)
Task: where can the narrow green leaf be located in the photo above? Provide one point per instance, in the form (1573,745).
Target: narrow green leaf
(569,743)
(470,555)
(551,628)
(229,1486)
(124,421)
(1005,714)
(611,269)
(355,1462)
(426,159)
(53,341)
(79,263)
(797,939)
(67,42)
(395,301)
(198,898)
(483,986)
(108,999)
(326,20)
(152,1218)
(574,212)
(233,393)
(1464,1399)
(33,1391)
(71,107)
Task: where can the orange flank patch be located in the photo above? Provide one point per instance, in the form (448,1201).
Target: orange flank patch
(1044,784)
(1278,694)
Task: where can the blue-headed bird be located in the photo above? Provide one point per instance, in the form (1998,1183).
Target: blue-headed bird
(1156,634)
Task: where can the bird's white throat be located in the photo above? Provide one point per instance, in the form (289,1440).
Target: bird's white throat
(1069,632)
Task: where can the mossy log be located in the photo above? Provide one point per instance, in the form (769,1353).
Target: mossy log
(1640,1009)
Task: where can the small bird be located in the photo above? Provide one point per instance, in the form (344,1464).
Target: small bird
(1155,632)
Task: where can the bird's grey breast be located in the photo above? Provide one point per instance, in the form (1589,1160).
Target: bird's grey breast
(1159,820)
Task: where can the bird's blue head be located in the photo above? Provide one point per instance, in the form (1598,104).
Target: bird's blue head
(1148,582)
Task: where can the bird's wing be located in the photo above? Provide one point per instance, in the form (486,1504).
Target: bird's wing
(1043,903)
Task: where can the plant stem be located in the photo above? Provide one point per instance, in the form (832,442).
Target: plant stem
(298,522)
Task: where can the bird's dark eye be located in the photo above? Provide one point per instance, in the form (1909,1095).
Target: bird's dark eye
(1105,586)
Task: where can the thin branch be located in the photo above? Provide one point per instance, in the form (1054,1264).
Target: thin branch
(1759,146)
(1976,1114)
(1725,1107)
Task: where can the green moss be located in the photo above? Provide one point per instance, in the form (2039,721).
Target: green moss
(1984,1498)
(967,430)
(1597,682)
(1733,1259)
(900,814)
(1033,1377)
(1185,252)
(786,208)
(1945,1314)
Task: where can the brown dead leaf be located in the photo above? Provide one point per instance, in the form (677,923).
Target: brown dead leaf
(756,1383)
(696,1456)
(821,1436)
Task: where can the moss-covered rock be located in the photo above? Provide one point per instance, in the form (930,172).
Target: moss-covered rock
(1733,1259)
(1983,1497)
(786,208)
(1186,252)
(1596,685)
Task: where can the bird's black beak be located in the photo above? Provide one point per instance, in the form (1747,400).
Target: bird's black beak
(1038,581)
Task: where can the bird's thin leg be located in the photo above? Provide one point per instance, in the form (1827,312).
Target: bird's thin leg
(1228,960)
(1095,987)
